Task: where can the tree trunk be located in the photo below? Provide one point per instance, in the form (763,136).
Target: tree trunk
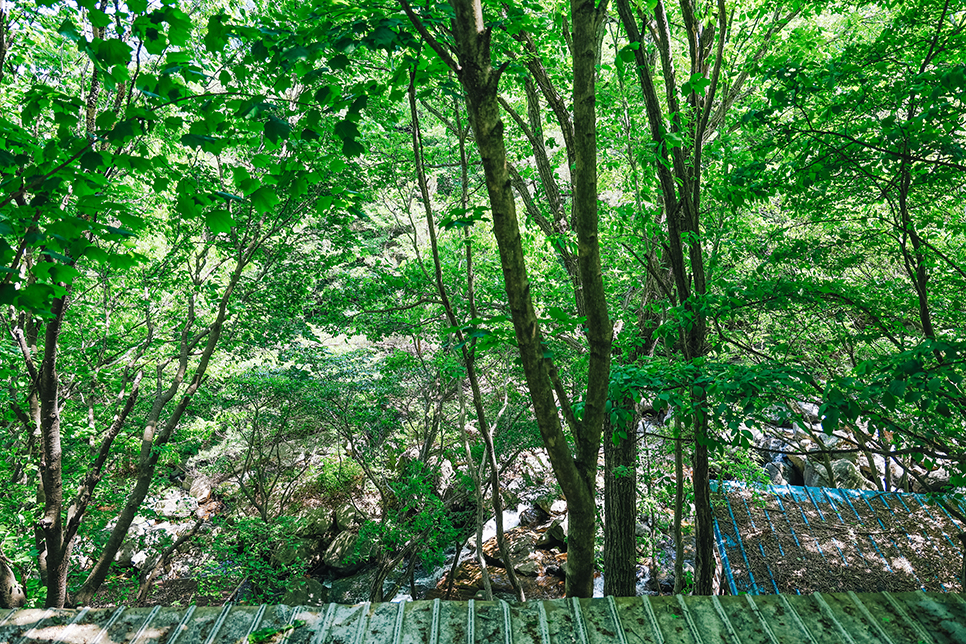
(620,506)
(704,563)
(678,505)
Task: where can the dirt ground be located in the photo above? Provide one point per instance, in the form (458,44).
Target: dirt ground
(825,544)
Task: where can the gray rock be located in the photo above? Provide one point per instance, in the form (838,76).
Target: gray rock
(292,551)
(347,517)
(356,588)
(641,530)
(530,567)
(339,553)
(775,474)
(11,592)
(316,523)
(937,480)
(555,535)
(199,486)
(175,504)
(845,473)
(307,592)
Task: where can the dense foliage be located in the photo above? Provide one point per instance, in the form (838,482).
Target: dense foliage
(332,249)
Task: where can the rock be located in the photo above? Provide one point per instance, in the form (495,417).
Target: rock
(347,517)
(554,535)
(199,486)
(848,476)
(145,559)
(775,475)
(835,441)
(446,473)
(531,567)
(11,592)
(879,470)
(142,547)
(175,504)
(797,462)
(340,553)
(316,523)
(468,583)
(641,530)
(533,516)
(520,543)
(937,480)
(307,592)
(297,550)
(350,590)
(845,472)
(551,505)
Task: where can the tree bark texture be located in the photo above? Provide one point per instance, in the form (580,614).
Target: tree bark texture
(620,506)
(678,506)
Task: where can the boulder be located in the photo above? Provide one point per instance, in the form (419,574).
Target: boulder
(530,567)
(547,583)
(845,472)
(350,590)
(347,517)
(798,462)
(551,505)
(533,516)
(641,529)
(145,559)
(307,592)
(520,543)
(289,552)
(11,592)
(339,554)
(199,486)
(554,535)
(937,480)
(316,523)
(775,474)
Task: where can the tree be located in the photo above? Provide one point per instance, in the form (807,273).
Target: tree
(76,167)
(473,66)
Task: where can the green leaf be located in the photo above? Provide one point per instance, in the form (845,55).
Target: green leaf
(264,199)
(697,84)
(112,52)
(339,62)
(92,160)
(217,35)
(98,18)
(68,30)
(179,26)
(276,129)
(219,220)
(324,95)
